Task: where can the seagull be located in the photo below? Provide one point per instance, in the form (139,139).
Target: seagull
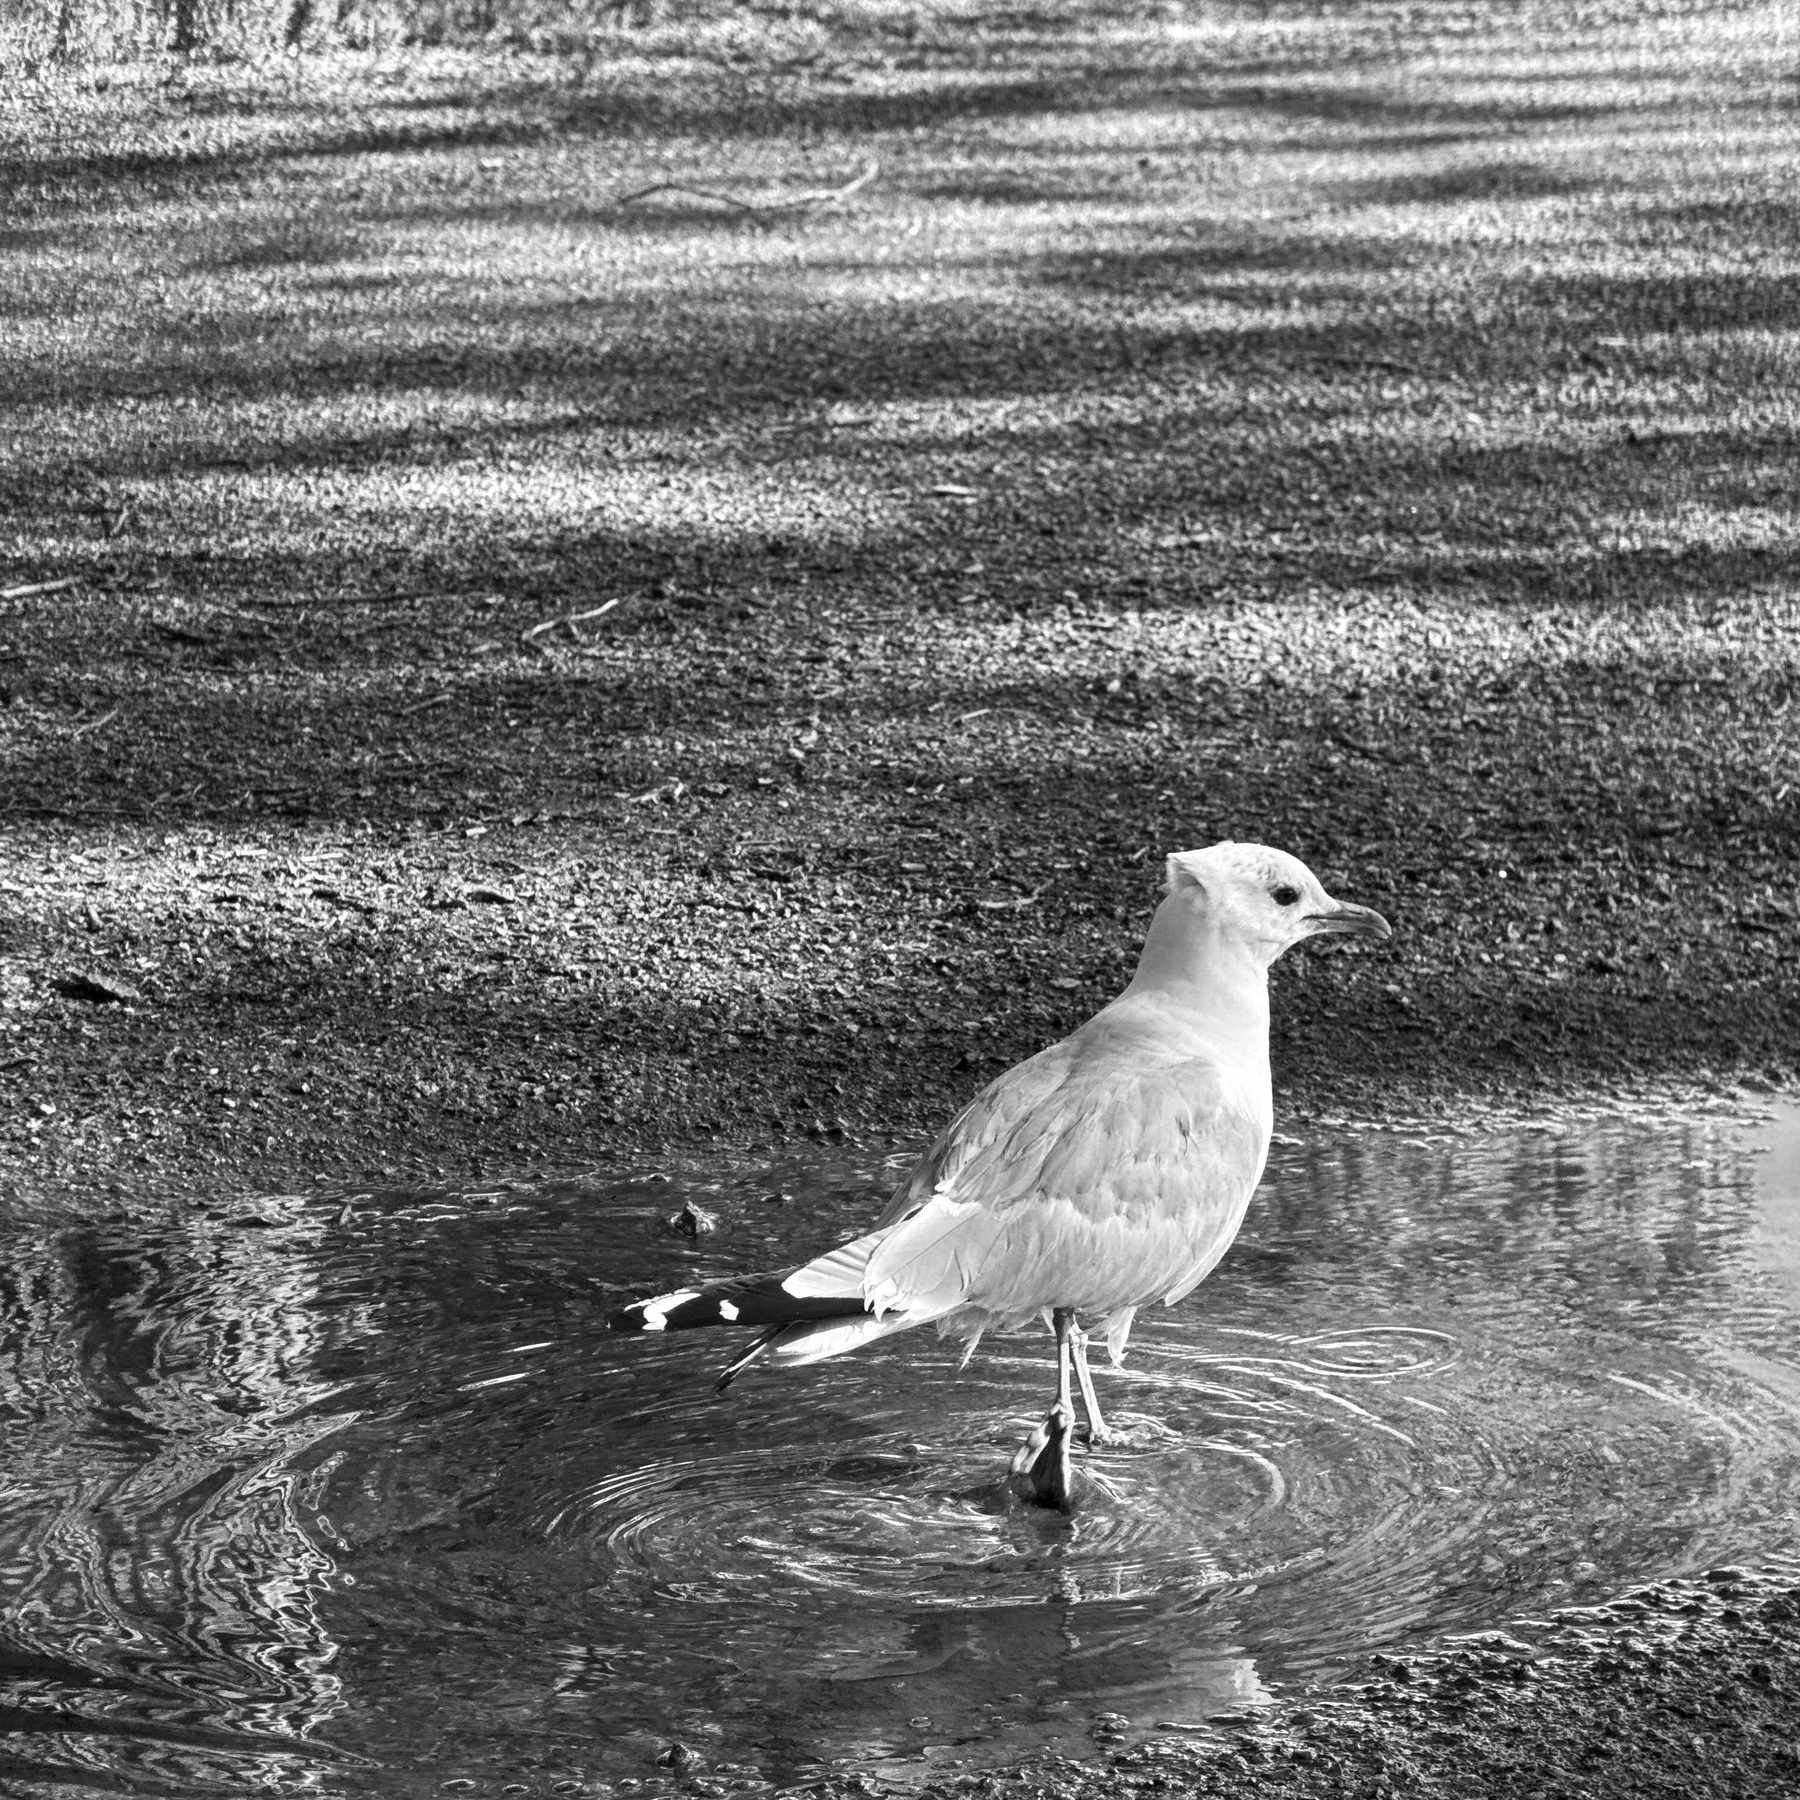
(1107,1172)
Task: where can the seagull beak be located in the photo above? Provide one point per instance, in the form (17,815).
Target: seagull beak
(1351,921)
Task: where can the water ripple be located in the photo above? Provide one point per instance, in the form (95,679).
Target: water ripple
(321,1483)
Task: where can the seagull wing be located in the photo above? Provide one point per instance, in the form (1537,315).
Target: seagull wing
(1100,1174)
(1108,1171)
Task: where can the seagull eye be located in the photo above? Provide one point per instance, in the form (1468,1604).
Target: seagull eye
(1284,896)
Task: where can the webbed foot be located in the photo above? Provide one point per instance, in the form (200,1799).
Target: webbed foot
(1043,1472)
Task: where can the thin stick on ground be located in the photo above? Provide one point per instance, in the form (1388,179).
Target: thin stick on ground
(791,203)
(593,612)
(41,587)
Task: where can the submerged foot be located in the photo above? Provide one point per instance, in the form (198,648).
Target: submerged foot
(1129,1431)
(1042,1471)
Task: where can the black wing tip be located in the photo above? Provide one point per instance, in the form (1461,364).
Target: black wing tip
(673,1311)
(758,1300)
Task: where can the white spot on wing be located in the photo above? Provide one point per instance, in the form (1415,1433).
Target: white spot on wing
(656,1312)
(727,1310)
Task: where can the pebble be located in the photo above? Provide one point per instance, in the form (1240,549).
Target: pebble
(692,1221)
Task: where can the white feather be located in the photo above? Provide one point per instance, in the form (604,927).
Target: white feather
(832,1337)
(838,1274)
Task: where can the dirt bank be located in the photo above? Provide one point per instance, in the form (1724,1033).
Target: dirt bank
(1683,1687)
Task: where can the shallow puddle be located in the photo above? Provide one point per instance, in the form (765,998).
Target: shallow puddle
(333,1496)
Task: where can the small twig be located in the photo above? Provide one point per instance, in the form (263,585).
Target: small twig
(681,187)
(673,789)
(792,203)
(95,724)
(1018,905)
(41,587)
(181,634)
(1373,752)
(338,898)
(419,706)
(593,612)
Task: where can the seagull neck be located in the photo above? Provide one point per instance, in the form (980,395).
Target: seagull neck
(1216,982)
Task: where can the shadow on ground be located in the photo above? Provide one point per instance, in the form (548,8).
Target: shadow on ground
(1304,438)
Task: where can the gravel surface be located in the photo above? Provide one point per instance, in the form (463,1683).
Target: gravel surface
(1681,1688)
(496,670)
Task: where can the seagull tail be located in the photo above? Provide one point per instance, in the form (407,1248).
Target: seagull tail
(814,1311)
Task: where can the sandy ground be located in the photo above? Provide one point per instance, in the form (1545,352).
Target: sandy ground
(1680,1688)
(502,669)
(1367,433)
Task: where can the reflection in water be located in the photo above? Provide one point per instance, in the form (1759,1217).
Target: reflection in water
(161,1585)
(326,1498)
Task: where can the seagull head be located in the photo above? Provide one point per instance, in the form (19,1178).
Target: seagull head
(1262,899)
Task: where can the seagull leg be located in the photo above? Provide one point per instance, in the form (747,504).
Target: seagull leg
(1044,1461)
(1099,1432)
(1141,1430)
